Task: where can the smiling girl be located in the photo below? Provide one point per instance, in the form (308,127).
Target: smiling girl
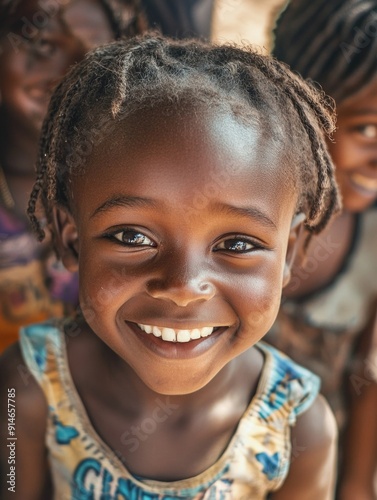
(175,178)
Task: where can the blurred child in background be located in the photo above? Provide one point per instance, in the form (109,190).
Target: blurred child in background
(330,301)
(39,41)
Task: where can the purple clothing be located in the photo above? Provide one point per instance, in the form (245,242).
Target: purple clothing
(34,285)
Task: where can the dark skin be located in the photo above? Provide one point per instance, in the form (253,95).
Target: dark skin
(31,68)
(135,239)
(360,455)
(354,152)
(193,415)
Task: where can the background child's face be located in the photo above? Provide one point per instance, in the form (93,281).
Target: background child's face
(183,223)
(355,149)
(37,51)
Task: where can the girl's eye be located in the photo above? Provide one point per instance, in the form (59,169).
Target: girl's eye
(133,238)
(368,131)
(237,245)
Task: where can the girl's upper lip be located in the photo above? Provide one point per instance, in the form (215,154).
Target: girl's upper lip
(181,325)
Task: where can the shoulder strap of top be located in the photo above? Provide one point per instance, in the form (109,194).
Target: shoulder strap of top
(42,347)
(290,387)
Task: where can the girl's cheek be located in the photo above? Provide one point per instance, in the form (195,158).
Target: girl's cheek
(260,302)
(100,286)
(107,284)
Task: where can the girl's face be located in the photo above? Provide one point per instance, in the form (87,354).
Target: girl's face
(37,50)
(180,228)
(355,149)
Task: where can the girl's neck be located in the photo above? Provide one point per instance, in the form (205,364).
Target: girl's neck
(139,398)
(192,430)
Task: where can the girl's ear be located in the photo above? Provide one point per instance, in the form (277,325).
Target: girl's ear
(295,239)
(66,239)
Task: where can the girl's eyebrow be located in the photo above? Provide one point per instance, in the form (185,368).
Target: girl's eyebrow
(249,212)
(123,201)
(138,201)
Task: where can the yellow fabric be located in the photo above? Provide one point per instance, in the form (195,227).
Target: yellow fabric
(255,462)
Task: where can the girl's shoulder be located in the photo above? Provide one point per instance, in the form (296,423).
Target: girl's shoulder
(17,378)
(21,372)
(25,411)
(38,363)
(313,455)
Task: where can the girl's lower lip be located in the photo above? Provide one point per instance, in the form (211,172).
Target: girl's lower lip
(176,350)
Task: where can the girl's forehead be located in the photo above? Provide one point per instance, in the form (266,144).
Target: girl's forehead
(213,132)
(207,155)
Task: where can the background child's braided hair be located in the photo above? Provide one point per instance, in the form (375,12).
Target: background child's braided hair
(333,43)
(123,77)
(125,16)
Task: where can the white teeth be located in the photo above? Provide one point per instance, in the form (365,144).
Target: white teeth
(156,331)
(207,330)
(168,334)
(195,334)
(171,335)
(183,336)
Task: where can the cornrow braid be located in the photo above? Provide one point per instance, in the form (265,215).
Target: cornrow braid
(332,43)
(128,76)
(296,92)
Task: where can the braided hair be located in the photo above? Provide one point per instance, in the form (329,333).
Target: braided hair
(127,76)
(332,43)
(125,16)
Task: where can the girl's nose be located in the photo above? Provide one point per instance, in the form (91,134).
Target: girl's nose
(181,288)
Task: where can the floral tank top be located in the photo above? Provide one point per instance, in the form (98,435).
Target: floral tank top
(255,462)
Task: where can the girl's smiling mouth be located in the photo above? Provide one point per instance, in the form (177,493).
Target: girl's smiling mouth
(178,343)
(174,335)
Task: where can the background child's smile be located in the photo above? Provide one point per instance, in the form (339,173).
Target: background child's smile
(354,149)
